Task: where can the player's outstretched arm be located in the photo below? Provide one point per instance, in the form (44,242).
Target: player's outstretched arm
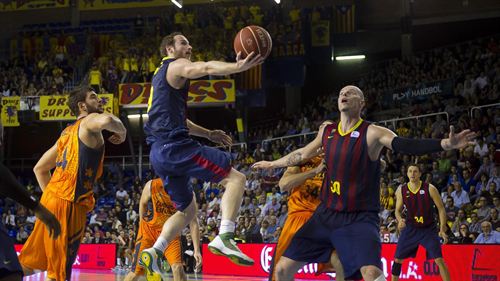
(399,209)
(185,68)
(216,136)
(441,211)
(298,156)
(145,197)
(293,177)
(97,122)
(385,137)
(44,165)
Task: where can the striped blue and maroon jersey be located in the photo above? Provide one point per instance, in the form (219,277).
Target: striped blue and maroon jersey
(352,180)
(419,206)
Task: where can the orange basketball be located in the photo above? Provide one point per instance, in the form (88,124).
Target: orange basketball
(255,39)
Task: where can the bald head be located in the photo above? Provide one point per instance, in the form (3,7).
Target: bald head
(353,89)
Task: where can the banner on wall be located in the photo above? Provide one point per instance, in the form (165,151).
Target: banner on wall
(320,33)
(22,5)
(465,262)
(91,256)
(201,93)
(10,107)
(419,93)
(55,108)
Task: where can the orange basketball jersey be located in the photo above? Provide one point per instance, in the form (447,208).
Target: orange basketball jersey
(161,208)
(304,198)
(77,168)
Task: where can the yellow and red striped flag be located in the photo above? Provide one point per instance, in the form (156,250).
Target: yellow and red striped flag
(251,79)
(344,18)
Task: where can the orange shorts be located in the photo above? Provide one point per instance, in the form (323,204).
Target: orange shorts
(56,256)
(146,238)
(292,224)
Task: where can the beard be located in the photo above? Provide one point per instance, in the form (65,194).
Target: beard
(92,109)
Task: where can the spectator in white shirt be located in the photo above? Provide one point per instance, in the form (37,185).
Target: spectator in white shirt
(481,148)
(460,197)
(120,194)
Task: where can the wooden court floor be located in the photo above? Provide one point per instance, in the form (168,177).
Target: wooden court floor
(109,275)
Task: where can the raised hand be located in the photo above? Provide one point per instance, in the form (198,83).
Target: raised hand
(220,137)
(50,221)
(250,61)
(265,165)
(460,140)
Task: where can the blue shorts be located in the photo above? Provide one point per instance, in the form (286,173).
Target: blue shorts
(9,264)
(175,162)
(355,237)
(412,236)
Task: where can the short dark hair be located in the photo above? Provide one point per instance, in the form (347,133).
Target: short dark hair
(414,165)
(168,41)
(78,94)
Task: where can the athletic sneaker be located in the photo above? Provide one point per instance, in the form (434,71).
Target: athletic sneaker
(154,263)
(224,245)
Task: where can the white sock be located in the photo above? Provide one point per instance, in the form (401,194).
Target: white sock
(161,244)
(226,226)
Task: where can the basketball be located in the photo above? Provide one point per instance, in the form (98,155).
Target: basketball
(255,39)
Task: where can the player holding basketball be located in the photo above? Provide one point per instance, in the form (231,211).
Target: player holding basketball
(347,218)
(304,183)
(10,269)
(155,208)
(77,158)
(419,227)
(176,157)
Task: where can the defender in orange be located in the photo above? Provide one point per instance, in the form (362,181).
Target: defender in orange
(155,208)
(77,158)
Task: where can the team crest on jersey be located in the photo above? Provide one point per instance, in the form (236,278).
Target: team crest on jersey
(422,191)
(331,133)
(355,134)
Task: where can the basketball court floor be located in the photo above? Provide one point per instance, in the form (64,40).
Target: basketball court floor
(109,275)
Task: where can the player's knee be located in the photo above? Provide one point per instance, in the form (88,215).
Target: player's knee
(396,268)
(439,262)
(371,272)
(281,272)
(178,270)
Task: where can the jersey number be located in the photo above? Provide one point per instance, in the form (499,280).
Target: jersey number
(335,187)
(419,219)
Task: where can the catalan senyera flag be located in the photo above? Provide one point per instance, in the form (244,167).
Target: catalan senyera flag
(250,79)
(344,18)
(10,107)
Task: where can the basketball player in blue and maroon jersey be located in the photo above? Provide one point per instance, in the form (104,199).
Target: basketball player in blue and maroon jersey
(176,157)
(347,218)
(419,227)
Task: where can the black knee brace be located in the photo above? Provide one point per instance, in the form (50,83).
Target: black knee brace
(396,268)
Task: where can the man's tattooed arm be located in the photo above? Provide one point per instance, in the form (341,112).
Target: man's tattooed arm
(294,159)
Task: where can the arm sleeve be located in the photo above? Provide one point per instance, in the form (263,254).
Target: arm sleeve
(9,187)
(416,146)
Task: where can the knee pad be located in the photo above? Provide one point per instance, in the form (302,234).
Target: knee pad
(396,268)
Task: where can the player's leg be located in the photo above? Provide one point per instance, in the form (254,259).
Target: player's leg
(396,269)
(443,269)
(292,224)
(357,242)
(152,258)
(337,265)
(286,269)
(407,247)
(430,241)
(224,243)
(173,256)
(10,269)
(62,252)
